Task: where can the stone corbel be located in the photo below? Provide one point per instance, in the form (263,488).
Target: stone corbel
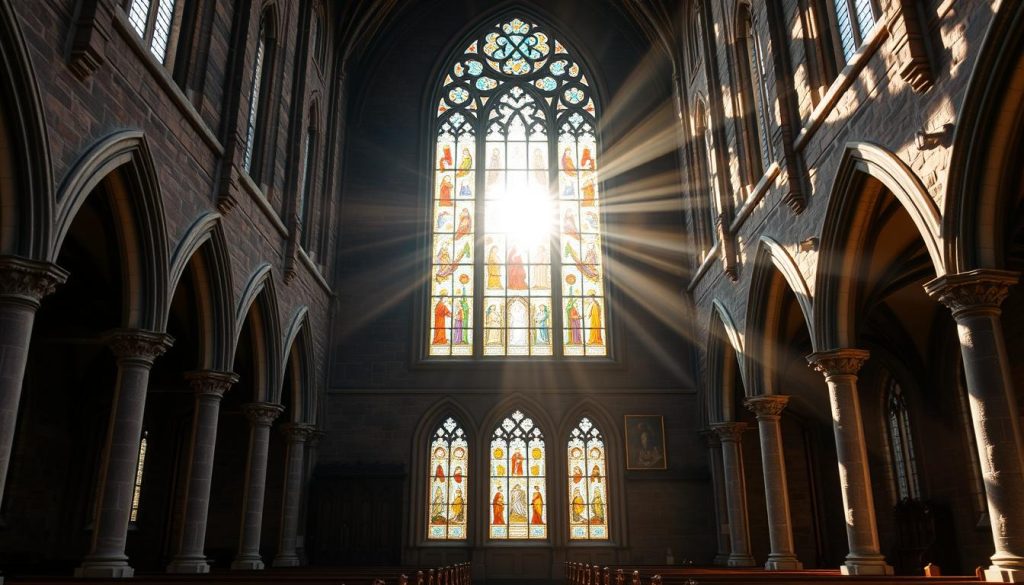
(727,250)
(90,33)
(907,34)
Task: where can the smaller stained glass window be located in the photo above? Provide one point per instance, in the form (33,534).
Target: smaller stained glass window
(588,483)
(254,98)
(901,443)
(448,483)
(518,492)
(139,468)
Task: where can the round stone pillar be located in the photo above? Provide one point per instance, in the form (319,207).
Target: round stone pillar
(296,435)
(260,415)
(768,410)
(729,434)
(975,298)
(23,284)
(209,387)
(840,368)
(135,351)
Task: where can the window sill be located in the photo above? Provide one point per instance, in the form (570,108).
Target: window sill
(843,82)
(755,197)
(315,271)
(257,195)
(164,79)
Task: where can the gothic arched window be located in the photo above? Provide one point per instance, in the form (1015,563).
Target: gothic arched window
(854,20)
(257,91)
(448,483)
(518,507)
(901,443)
(754,93)
(588,483)
(517,248)
(154,26)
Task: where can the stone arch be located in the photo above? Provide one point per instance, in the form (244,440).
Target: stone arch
(26,185)
(124,161)
(206,237)
(259,301)
(845,227)
(724,344)
(772,260)
(986,148)
(299,343)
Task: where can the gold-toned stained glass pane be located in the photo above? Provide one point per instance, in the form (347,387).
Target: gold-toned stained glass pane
(518,489)
(587,483)
(448,483)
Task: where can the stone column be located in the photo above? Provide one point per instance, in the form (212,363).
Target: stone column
(261,415)
(975,298)
(840,368)
(310,463)
(23,284)
(209,387)
(776,492)
(135,350)
(735,493)
(295,473)
(717,485)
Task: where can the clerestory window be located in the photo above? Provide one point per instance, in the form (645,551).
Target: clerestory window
(517,246)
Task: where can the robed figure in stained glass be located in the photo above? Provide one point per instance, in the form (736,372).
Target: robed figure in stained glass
(441,314)
(517,462)
(444,193)
(543,318)
(458,507)
(577,506)
(437,507)
(493,268)
(575,323)
(517,505)
(537,506)
(498,507)
(516,271)
(594,315)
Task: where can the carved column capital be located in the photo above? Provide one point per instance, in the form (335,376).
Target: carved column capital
(838,362)
(767,406)
(977,291)
(211,383)
(28,281)
(729,432)
(298,432)
(262,414)
(138,344)
(316,437)
(710,437)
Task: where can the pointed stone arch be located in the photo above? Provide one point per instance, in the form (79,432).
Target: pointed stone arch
(123,160)
(259,300)
(771,261)
(205,242)
(298,344)
(724,344)
(27,202)
(986,148)
(845,228)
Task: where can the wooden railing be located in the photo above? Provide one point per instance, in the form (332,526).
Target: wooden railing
(586,574)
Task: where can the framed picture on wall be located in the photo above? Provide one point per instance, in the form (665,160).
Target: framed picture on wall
(645,441)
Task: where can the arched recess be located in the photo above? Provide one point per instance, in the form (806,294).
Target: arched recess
(258,305)
(204,244)
(846,227)
(299,360)
(725,366)
(615,454)
(26,186)
(124,162)
(985,180)
(418,471)
(773,265)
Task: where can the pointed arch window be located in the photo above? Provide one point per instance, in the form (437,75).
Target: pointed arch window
(754,93)
(854,20)
(696,37)
(448,483)
(518,490)
(588,483)
(140,467)
(901,443)
(156,22)
(517,245)
(257,92)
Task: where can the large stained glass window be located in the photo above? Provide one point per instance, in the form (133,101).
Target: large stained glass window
(448,483)
(516,225)
(518,492)
(588,483)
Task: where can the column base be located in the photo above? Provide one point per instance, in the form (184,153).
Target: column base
(740,561)
(873,565)
(1000,575)
(291,560)
(105,570)
(783,563)
(248,564)
(189,565)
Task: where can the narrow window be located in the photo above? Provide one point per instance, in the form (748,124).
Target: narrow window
(588,483)
(518,491)
(854,19)
(448,483)
(153,26)
(754,95)
(303,203)
(139,468)
(901,444)
(254,98)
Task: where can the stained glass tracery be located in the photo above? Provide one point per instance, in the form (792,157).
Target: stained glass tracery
(518,490)
(588,483)
(448,483)
(533,170)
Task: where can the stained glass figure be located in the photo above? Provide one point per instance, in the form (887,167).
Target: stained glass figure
(448,483)
(518,491)
(588,483)
(516,149)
